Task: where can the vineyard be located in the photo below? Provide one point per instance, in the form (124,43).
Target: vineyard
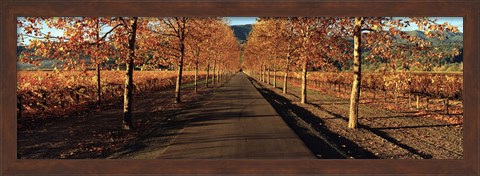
(320,51)
(134,44)
(435,85)
(397,107)
(60,92)
(437,93)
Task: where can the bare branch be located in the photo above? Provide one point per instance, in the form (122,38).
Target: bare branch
(105,35)
(169,24)
(123,20)
(39,37)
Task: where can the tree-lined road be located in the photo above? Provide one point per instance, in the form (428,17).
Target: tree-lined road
(172,114)
(237,123)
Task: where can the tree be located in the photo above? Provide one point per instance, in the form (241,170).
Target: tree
(228,55)
(83,41)
(222,48)
(315,40)
(254,55)
(84,38)
(178,30)
(382,39)
(355,96)
(130,26)
(288,39)
(202,33)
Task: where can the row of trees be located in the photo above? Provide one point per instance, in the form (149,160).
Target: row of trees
(325,44)
(198,43)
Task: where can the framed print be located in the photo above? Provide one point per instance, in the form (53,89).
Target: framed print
(200,87)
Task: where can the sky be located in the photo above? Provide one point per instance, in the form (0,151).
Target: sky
(241,20)
(456,21)
(232,20)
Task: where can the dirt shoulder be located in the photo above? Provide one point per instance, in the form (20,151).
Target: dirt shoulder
(97,133)
(382,133)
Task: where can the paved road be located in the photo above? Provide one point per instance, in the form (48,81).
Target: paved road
(237,123)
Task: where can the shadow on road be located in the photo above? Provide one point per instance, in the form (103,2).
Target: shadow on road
(320,140)
(158,135)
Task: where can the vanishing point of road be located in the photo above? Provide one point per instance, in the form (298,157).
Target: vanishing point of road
(237,123)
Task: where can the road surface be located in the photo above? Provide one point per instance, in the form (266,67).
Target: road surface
(237,123)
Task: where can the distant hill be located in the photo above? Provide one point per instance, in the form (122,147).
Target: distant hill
(417,33)
(451,41)
(455,37)
(451,37)
(241,31)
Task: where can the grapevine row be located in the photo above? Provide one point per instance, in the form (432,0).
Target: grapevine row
(435,85)
(49,92)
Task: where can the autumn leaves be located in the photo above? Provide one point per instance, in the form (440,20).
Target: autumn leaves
(132,43)
(338,44)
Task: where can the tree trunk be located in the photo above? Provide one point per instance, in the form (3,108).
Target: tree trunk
(264,74)
(396,92)
(262,71)
(418,102)
(180,71)
(428,101)
(99,88)
(396,97)
(196,76)
(128,88)
(218,74)
(285,84)
(259,74)
(385,95)
(287,66)
(357,74)
(206,78)
(213,72)
(303,97)
(274,76)
(268,76)
(409,101)
(446,105)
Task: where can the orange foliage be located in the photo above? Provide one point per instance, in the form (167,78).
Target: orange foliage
(62,91)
